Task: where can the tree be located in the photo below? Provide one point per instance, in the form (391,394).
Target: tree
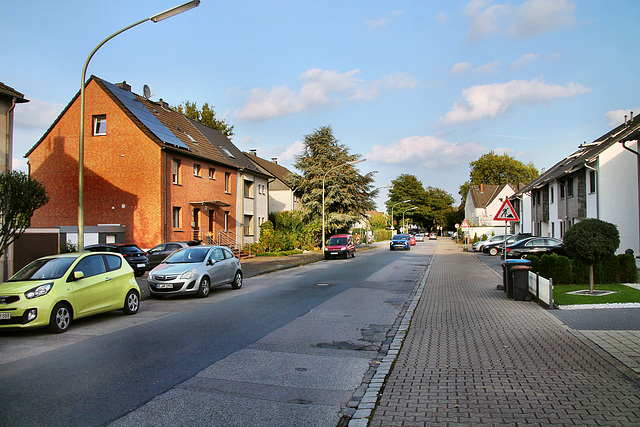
(20,196)
(205,115)
(378,221)
(494,169)
(431,202)
(348,194)
(591,241)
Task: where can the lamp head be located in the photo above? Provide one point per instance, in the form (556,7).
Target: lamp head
(174,11)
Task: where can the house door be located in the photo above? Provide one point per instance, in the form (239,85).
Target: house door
(196,224)
(212,225)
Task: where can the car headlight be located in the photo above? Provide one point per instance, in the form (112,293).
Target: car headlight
(188,274)
(38,291)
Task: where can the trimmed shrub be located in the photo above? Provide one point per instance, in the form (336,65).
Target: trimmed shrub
(627,268)
(580,272)
(556,267)
(535,263)
(606,271)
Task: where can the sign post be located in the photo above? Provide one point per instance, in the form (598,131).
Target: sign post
(465,227)
(506,213)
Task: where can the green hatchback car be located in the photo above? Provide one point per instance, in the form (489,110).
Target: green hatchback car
(54,290)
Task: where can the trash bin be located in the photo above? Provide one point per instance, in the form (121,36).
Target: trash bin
(507,276)
(520,277)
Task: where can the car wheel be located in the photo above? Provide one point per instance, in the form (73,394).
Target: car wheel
(353,255)
(131,302)
(60,319)
(493,251)
(203,290)
(237,281)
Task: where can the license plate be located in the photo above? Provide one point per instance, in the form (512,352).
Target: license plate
(141,266)
(334,253)
(5,315)
(164,286)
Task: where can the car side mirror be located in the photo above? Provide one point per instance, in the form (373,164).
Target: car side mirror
(77,275)
(211,261)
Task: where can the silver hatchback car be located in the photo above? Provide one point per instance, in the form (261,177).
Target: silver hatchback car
(195,270)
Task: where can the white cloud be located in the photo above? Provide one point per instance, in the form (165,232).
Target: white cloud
(616,117)
(490,68)
(529,19)
(289,155)
(428,151)
(525,61)
(492,100)
(382,22)
(460,68)
(442,17)
(36,114)
(320,89)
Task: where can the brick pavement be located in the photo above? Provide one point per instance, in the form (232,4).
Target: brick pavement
(473,357)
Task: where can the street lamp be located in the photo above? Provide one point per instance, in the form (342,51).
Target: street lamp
(406,201)
(155,18)
(323,178)
(410,209)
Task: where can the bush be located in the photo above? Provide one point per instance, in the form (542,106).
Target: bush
(607,270)
(580,272)
(279,253)
(535,263)
(627,268)
(66,247)
(556,267)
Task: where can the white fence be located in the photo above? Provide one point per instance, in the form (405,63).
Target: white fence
(541,288)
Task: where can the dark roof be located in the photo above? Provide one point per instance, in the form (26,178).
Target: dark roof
(278,171)
(483,195)
(10,92)
(586,153)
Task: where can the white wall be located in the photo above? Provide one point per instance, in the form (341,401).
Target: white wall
(618,190)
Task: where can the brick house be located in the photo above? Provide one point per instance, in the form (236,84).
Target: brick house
(148,169)
(599,180)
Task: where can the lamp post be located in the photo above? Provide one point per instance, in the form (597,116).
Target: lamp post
(155,18)
(405,201)
(323,178)
(410,209)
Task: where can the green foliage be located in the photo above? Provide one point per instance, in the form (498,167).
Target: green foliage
(535,263)
(378,221)
(627,268)
(607,270)
(66,247)
(205,115)
(280,253)
(20,196)
(433,204)
(556,267)
(495,169)
(286,231)
(580,271)
(591,240)
(381,235)
(347,193)
(622,294)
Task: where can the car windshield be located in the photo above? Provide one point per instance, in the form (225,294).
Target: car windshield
(337,241)
(187,255)
(399,237)
(44,269)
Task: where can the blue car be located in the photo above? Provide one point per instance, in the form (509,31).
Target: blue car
(400,241)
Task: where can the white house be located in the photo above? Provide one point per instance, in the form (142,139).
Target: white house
(599,180)
(282,197)
(481,206)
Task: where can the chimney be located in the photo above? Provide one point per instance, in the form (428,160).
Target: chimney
(482,188)
(274,160)
(164,104)
(254,152)
(631,116)
(124,86)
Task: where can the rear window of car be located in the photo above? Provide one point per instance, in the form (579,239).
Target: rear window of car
(130,249)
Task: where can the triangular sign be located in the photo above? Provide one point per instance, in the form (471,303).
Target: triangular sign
(465,224)
(506,212)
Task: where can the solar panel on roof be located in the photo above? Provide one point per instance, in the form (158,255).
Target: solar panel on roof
(147,118)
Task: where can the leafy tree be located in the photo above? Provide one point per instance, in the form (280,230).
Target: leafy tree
(431,202)
(495,169)
(590,241)
(205,115)
(378,221)
(348,194)
(20,196)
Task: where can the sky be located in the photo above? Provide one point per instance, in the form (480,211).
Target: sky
(414,87)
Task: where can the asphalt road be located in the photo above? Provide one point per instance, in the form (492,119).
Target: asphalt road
(289,348)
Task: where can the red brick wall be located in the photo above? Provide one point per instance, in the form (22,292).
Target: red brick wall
(123,177)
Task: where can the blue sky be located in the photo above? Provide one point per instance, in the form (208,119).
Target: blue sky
(418,87)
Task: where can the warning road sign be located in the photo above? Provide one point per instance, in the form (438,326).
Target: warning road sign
(506,212)
(465,224)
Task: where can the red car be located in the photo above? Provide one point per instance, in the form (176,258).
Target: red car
(340,246)
(412,239)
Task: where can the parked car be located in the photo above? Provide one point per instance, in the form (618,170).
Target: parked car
(400,241)
(433,236)
(419,237)
(535,246)
(55,290)
(135,256)
(412,239)
(495,248)
(340,246)
(195,270)
(158,253)
(477,246)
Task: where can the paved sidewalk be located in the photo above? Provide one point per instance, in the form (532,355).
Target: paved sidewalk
(473,357)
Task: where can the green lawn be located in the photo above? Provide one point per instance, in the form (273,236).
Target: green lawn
(623,294)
